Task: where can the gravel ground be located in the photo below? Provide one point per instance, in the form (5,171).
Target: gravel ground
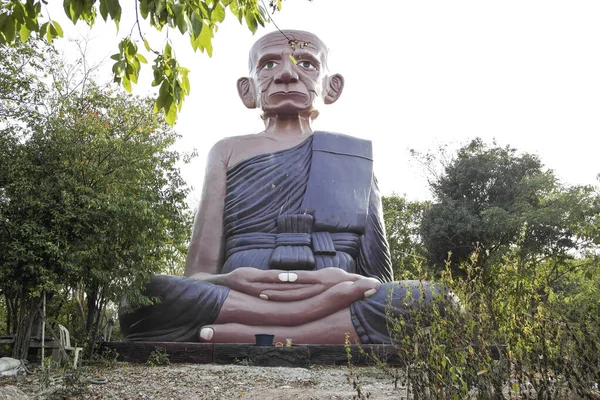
(194,381)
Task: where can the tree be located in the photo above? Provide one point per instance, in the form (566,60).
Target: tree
(484,198)
(21,96)
(402,221)
(92,203)
(197,18)
(22,66)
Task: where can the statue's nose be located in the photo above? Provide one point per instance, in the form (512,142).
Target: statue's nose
(287,73)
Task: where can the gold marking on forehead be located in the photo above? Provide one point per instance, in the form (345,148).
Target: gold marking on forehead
(291,40)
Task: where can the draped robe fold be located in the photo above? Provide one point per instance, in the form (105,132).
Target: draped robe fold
(269,223)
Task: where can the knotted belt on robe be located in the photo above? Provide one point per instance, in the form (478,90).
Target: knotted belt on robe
(335,207)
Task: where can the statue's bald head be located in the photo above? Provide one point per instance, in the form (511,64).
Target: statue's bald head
(296,40)
(288,75)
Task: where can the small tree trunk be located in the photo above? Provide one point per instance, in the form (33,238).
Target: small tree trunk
(92,296)
(27,312)
(8,314)
(94,336)
(12,304)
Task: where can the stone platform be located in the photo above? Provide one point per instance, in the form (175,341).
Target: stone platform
(272,356)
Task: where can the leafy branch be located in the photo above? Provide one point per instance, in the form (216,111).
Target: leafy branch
(197,18)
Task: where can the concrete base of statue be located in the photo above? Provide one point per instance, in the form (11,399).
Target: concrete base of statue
(297,355)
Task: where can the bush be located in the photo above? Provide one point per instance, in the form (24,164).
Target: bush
(530,330)
(158,357)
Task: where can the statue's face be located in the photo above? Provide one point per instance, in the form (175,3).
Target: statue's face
(285,87)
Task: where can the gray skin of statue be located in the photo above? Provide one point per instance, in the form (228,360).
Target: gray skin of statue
(288,239)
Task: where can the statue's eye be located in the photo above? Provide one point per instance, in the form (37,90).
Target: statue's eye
(306,65)
(269,65)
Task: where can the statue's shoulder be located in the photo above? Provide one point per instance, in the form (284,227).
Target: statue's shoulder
(232,142)
(342,144)
(231,150)
(236,149)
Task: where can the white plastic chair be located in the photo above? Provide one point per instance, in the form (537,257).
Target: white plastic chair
(65,340)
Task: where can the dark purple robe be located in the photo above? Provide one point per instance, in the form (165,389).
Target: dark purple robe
(312,206)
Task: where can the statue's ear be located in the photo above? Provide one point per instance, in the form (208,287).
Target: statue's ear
(334,88)
(247,92)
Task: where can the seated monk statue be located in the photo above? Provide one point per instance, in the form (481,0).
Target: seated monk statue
(289,236)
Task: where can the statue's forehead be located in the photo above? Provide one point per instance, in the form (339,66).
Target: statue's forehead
(278,41)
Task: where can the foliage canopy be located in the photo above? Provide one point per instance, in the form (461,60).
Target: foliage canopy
(91,199)
(486,195)
(199,19)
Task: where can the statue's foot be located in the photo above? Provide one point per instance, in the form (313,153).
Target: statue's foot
(329,330)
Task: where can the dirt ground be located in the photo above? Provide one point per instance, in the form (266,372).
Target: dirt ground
(206,381)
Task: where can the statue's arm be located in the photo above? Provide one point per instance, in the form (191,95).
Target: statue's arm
(205,253)
(374,258)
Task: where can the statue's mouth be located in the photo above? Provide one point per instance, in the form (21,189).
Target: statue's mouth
(290,93)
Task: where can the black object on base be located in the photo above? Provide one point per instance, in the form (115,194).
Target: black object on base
(263,339)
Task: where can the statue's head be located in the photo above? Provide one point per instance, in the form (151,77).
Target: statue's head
(288,75)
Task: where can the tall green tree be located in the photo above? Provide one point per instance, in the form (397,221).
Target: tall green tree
(402,219)
(92,202)
(22,94)
(485,196)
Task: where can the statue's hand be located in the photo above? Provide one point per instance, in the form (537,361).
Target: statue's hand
(279,285)
(254,281)
(315,283)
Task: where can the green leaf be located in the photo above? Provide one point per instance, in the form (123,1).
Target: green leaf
(144,8)
(114,9)
(52,30)
(30,9)
(515,387)
(69,9)
(171,113)
(58,28)
(180,21)
(251,21)
(103,10)
(3,21)
(43,29)
(146,45)
(8,29)
(76,9)
(204,10)
(264,15)
(196,25)
(18,11)
(119,68)
(141,58)
(167,53)
(32,24)
(24,33)
(164,95)
(185,82)
(158,75)
(205,39)
(218,13)
(177,9)
(236,10)
(259,19)
(126,84)
(130,50)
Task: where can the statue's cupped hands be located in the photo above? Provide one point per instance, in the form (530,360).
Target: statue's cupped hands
(284,286)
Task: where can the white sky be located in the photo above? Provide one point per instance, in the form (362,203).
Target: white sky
(418,74)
